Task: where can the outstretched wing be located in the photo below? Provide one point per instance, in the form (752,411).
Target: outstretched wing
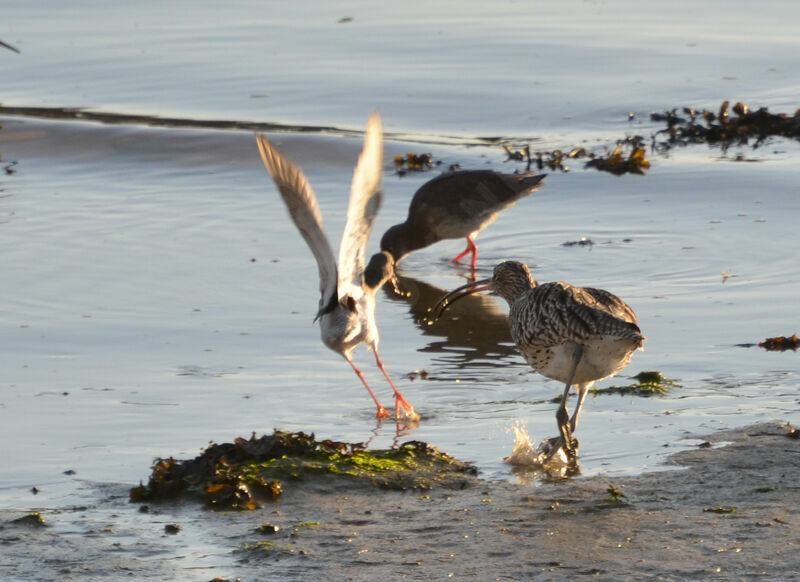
(365,199)
(305,212)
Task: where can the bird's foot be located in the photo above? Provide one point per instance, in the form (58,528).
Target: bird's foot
(382,413)
(571,448)
(405,413)
(471,248)
(568,442)
(557,450)
(459,257)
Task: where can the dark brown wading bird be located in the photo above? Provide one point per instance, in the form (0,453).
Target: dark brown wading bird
(347,303)
(575,335)
(456,205)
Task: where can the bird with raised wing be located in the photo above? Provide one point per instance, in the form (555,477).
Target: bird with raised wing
(456,204)
(347,302)
(576,335)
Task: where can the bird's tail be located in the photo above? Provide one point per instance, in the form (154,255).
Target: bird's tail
(529,181)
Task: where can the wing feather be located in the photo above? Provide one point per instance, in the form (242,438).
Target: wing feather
(304,209)
(365,199)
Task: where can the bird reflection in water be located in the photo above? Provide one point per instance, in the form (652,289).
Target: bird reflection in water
(476,335)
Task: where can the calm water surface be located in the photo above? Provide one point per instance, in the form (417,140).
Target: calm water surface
(156,296)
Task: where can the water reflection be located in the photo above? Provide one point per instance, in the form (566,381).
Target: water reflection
(473,333)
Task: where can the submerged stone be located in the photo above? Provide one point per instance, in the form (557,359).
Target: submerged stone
(34,519)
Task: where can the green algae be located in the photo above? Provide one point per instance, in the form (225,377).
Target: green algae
(263,549)
(648,383)
(719,510)
(303,524)
(259,546)
(246,473)
(615,495)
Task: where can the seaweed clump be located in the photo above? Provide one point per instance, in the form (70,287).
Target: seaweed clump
(737,125)
(618,164)
(780,344)
(554,160)
(242,474)
(648,383)
(414,163)
(723,128)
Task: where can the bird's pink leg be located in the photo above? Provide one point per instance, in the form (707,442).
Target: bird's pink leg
(474,253)
(382,412)
(408,410)
(471,248)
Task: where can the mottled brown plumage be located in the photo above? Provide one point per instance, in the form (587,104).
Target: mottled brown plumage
(575,335)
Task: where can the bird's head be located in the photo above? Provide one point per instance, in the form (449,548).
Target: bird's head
(509,280)
(379,270)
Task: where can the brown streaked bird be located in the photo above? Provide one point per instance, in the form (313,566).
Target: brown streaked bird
(576,335)
(347,303)
(456,205)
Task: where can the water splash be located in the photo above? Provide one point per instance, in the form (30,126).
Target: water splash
(540,459)
(524,454)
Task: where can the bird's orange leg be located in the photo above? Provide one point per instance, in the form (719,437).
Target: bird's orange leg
(474,253)
(408,410)
(382,412)
(471,248)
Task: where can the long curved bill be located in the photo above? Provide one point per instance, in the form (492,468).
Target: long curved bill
(456,294)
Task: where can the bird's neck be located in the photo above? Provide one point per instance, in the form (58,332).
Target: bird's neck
(378,271)
(401,239)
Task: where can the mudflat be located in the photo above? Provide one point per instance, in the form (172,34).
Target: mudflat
(725,510)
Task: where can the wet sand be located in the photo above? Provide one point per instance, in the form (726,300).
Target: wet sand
(725,510)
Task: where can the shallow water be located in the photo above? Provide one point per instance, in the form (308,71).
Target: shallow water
(166,293)
(157,297)
(505,68)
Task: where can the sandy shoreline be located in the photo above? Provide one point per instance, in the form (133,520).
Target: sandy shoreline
(731,512)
